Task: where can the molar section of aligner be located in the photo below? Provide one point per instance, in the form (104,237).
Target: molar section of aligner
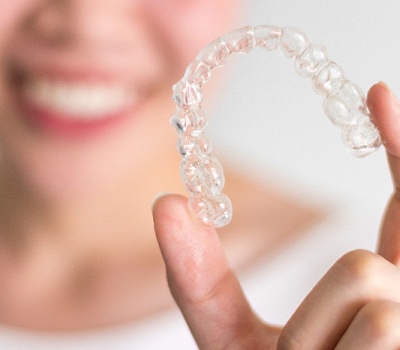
(215,211)
(311,61)
(328,79)
(362,138)
(203,174)
(345,105)
(292,42)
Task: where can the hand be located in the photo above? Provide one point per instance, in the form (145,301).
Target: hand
(202,283)
(356,305)
(385,112)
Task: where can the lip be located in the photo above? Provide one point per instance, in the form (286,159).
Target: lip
(56,122)
(51,122)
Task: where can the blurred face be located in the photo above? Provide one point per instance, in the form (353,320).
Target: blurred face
(85,85)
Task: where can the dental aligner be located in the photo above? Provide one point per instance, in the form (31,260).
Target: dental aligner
(344,104)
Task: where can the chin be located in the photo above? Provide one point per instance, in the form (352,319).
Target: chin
(75,160)
(67,171)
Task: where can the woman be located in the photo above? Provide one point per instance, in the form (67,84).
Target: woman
(85,96)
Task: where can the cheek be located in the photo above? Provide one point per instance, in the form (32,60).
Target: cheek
(185,26)
(12,14)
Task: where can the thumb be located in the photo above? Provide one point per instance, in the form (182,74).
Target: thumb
(202,283)
(385,113)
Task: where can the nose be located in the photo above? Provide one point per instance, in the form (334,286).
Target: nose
(84,21)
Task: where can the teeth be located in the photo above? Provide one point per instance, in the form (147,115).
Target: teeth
(78,100)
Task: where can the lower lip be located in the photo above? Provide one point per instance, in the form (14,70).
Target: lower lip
(57,124)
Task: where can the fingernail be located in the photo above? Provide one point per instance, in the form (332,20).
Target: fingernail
(157,197)
(386,86)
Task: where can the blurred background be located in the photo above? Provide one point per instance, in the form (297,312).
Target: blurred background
(273,121)
(269,121)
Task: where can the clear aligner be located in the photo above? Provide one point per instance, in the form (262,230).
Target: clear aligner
(344,104)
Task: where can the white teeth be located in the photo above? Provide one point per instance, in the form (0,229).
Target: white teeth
(78,100)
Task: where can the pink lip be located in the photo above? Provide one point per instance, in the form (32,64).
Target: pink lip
(53,122)
(56,124)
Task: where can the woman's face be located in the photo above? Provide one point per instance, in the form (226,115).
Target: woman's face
(85,85)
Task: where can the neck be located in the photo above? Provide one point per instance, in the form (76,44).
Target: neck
(117,213)
(83,254)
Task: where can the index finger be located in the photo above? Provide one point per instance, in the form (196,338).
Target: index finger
(202,283)
(385,113)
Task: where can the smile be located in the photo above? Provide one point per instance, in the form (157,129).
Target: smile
(69,105)
(77,100)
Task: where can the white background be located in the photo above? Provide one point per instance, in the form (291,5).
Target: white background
(270,121)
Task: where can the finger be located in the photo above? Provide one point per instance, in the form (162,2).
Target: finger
(326,313)
(376,326)
(389,241)
(385,112)
(202,283)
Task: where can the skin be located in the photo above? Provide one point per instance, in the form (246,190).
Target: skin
(77,252)
(77,245)
(75,224)
(356,305)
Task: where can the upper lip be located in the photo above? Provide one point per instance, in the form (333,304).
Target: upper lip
(70,70)
(85,64)
(70,73)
